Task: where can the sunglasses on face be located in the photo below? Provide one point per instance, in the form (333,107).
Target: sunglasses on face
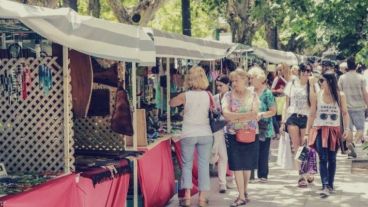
(333,117)
(306,71)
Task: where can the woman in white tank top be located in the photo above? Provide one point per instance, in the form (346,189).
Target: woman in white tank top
(196,133)
(324,126)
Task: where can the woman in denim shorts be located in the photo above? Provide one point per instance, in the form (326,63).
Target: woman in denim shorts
(296,111)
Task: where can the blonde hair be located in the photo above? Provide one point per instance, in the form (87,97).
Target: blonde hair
(196,79)
(239,73)
(257,72)
(284,70)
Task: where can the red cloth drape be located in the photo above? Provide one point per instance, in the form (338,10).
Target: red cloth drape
(109,193)
(156,175)
(194,170)
(66,191)
(60,192)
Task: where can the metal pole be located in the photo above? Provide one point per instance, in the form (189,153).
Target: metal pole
(67,109)
(135,139)
(3,41)
(168,87)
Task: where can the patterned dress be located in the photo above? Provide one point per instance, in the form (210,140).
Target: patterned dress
(241,156)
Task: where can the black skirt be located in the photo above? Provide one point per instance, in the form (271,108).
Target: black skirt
(242,156)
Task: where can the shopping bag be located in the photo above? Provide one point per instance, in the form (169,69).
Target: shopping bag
(284,157)
(302,153)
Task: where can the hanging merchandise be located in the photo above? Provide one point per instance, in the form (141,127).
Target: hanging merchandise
(26,80)
(45,78)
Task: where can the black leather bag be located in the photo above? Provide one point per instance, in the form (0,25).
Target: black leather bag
(216,122)
(214,116)
(100,103)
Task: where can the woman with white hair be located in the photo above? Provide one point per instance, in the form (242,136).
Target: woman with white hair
(267,109)
(240,109)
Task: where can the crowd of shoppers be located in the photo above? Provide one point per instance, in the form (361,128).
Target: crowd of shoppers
(319,105)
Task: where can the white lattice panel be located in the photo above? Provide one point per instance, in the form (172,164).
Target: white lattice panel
(94,133)
(32,132)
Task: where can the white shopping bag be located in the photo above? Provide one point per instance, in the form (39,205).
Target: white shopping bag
(284,157)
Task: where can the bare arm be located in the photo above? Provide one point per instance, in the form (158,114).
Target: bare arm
(235,116)
(344,111)
(365,94)
(178,100)
(312,113)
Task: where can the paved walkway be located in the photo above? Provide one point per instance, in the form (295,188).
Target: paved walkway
(351,189)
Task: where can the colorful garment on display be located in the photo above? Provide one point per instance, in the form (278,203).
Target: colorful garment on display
(45,78)
(12,85)
(26,80)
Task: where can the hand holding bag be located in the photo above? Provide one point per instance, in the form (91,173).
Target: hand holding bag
(246,135)
(214,116)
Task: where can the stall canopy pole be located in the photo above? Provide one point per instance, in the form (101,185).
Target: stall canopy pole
(168,87)
(66,106)
(134,103)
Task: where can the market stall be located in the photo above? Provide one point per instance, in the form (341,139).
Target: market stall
(36,118)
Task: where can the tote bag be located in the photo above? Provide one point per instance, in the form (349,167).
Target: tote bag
(284,157)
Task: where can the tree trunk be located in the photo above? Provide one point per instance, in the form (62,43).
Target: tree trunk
(71,4)
(145,9)
(243,27)
(186,20)
(272,36)
(44,3)
(94,8)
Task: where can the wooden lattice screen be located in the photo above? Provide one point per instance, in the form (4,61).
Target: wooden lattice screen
(94,133)
(32,130)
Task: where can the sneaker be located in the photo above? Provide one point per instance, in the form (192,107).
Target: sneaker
(324,193)
(352,153)
(331,190)
(263,180)
(222,189)
(231,185)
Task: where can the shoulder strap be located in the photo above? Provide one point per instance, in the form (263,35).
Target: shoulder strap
(212,101)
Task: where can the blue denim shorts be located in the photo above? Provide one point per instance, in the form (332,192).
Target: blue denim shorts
(357,120)
(297,120)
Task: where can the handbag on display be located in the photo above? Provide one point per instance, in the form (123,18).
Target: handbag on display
(214,116)
(100,102)
(121,119)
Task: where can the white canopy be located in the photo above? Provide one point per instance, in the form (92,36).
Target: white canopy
(181,46)
(86,34)
(278,56)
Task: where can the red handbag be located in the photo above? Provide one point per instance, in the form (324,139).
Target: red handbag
(246,135)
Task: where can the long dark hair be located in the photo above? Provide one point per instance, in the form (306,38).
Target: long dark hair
(330,78)
(304,67)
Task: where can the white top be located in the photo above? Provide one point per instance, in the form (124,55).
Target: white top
(195,120)
(327,114)
(298,98)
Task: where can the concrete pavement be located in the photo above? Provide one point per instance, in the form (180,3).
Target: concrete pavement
(281,189)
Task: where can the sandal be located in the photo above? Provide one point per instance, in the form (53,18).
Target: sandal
(302,183)
(310,179)
(203,203)
(246,197)
(239,202)
(185,202)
